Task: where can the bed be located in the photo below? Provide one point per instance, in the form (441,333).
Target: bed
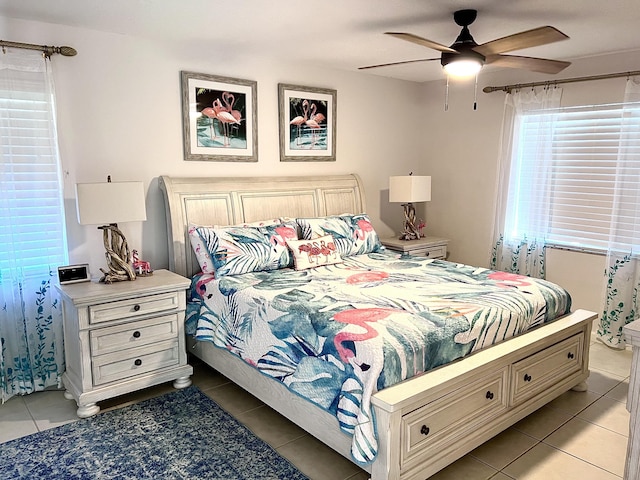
(422,423)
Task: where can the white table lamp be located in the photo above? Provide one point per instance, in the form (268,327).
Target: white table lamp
(408,190)
(107,204)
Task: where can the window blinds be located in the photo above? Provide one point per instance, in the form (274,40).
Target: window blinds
(572,183)
(32,235)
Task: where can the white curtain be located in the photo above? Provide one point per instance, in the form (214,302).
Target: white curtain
(32,238)
(522,207)
(622,273)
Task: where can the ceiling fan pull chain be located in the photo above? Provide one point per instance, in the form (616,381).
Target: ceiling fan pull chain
(446,96)
(475,95)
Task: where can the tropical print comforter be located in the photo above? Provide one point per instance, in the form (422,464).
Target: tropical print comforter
(337,334)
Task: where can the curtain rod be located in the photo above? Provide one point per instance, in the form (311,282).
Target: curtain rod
(48,51)
(508,88)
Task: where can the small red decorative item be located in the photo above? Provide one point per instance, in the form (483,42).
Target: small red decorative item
(421,226)
(141,267)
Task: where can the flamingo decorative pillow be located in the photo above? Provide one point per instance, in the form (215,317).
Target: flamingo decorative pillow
(238,249)
(314,253)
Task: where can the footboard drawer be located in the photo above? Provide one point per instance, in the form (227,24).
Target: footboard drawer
(448,418)
(536,373)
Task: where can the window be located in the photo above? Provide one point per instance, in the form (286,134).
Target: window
(568,190)
(32,235)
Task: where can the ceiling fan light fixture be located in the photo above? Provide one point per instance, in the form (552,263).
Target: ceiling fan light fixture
(464,67)
(465,57)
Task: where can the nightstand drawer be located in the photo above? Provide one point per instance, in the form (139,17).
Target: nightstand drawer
(134,334)
(136,361)
(133,307)
(436,252)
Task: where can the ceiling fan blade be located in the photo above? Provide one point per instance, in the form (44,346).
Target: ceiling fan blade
(541,65)
(399,63)
(409,37)
(517,41)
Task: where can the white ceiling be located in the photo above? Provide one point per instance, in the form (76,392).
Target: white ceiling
(346,34)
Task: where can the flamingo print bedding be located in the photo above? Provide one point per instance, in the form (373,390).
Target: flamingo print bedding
(337,334)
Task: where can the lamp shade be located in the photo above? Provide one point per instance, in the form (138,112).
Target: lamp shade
(409,189)
(110,202)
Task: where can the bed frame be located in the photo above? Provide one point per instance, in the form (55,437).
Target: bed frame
(424,423)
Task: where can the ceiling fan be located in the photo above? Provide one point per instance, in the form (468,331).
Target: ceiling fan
(466,57)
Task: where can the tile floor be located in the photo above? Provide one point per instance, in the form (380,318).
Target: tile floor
(577,436)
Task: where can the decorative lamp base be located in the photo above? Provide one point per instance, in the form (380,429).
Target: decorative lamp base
(117,254)
(412,229)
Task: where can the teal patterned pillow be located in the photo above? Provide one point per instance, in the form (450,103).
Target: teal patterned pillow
(352,234)
(200,237)
(335,226)
(236,250)
(365,238)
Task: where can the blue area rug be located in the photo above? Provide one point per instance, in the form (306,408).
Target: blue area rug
(180,435)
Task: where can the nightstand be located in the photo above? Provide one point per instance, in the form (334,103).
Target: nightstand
(432,247)
(123,336)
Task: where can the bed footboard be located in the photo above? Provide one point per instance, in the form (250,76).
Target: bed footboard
(428,422)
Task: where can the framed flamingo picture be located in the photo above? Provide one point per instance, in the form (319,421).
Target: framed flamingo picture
(307,124)
(219,118)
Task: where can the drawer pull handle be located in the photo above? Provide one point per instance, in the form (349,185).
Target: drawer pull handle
(570,355)
(424,430)
(136,334)
(527,377)
(489,395)
(138,362)
(136,307)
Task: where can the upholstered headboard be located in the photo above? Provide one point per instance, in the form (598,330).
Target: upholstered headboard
(234,200)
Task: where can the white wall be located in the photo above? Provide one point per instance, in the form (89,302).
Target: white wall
(461,152)
(119,113)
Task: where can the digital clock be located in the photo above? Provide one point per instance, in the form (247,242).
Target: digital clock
(73,273)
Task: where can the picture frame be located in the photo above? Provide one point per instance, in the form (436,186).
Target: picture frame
(307,119)
(219,118)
